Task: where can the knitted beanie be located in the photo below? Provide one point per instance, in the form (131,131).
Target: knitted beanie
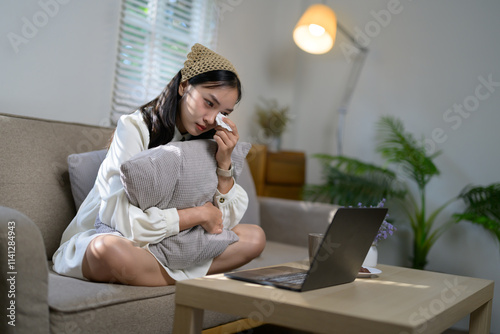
(201,60)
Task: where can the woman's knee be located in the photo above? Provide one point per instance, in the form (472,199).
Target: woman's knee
(254,237)
(107,257)
(259,238)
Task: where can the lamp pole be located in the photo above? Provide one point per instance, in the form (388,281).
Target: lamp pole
(357,65)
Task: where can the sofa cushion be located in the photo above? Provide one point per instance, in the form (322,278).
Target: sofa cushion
(176,175)
(278,253)
(81,306)
(73,295)
(82,169)
(278,214)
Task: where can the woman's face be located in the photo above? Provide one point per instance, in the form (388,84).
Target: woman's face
(200,105)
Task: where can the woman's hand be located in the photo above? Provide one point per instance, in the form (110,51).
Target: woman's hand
(226,141)
(207,216)
(212,219)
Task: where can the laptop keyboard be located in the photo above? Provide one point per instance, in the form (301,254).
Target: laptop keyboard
(293,278)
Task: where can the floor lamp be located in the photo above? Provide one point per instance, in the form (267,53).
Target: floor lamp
(315,33)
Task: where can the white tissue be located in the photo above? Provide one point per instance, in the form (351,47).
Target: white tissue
(219,120)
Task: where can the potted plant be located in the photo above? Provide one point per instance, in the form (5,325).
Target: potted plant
(348,180)
(273,120)
(409,155)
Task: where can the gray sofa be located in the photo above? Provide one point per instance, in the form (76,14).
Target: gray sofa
(36,204)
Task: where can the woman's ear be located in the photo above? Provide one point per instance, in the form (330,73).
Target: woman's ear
(182,87)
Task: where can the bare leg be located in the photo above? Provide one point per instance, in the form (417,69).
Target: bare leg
(113,259)
(251,244)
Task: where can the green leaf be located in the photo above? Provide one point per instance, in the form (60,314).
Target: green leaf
(348,181)
(482,207)
(401,148)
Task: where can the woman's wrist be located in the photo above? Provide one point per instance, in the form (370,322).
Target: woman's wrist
(225,184)
(226,165)
(189,217)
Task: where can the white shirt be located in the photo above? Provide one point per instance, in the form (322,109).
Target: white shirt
(108,199)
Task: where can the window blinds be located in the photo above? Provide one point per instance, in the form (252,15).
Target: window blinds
(155,37)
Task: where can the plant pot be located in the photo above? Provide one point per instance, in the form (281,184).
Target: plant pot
(371,258)
(274,144)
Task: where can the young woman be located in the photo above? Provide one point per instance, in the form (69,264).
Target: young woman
(207,85)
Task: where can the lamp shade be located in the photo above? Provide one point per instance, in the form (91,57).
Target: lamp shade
(315,32)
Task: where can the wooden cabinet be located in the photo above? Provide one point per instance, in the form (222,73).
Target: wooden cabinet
(277,174)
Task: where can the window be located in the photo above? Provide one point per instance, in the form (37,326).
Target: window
(155,36)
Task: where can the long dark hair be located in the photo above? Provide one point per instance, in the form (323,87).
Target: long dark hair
(160,113)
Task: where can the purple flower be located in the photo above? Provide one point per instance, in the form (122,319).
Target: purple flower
(386,229)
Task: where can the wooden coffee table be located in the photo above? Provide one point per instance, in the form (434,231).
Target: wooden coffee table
(399,300)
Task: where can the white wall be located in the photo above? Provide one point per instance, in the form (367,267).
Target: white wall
(427,58)
(58,58)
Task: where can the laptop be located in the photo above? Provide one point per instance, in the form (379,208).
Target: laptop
(338,259)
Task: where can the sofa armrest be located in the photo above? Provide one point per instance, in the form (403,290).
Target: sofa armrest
(290,221)
(24,275)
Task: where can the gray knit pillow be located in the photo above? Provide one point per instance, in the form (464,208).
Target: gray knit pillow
(176,175)
(83,168)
